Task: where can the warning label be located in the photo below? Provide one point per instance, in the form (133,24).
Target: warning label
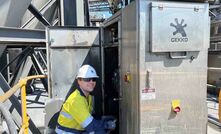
(148,94)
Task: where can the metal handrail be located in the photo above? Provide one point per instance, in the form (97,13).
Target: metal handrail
(21,85)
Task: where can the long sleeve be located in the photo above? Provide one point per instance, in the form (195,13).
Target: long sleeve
(95,125)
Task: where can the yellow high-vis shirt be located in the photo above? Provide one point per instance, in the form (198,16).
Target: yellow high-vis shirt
(76,111)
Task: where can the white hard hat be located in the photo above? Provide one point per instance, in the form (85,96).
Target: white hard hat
(87,71)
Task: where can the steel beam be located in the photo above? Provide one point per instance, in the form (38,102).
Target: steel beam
(215,39)
(68,13)
(72,12)
(87,16)
(40,71)
(42,11)
(13,36)
(2,49)
(38,15)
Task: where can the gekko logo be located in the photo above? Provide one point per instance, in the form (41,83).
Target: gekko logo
(179,29)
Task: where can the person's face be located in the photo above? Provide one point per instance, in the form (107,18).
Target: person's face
(87,84)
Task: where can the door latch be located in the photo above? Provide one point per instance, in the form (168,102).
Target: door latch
(117,99)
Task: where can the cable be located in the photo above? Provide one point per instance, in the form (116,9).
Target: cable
(15,58)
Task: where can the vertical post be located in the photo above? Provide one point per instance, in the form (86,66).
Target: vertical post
(72,12)
(24,110)
(219,112)
(86,13)
(80,12)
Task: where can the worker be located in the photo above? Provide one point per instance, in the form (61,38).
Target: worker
(75,116)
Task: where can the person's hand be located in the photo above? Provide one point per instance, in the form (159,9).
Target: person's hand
(111,124)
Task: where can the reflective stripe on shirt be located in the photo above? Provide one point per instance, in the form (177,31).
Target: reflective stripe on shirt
(63,130)
(67,115)
(87,122)
(59,131)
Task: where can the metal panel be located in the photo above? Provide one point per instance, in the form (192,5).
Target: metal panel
(129,65)
(75,38)
(183,79)
(176,26)
(11,12)
(68,49)
(149,111)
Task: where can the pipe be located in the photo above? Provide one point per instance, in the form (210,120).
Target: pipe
(9,93)
(10,123)
(215,69)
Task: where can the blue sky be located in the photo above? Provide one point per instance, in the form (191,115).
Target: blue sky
(104,15)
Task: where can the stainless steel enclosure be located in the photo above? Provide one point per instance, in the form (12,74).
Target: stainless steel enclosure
(163,56)
(68,49)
